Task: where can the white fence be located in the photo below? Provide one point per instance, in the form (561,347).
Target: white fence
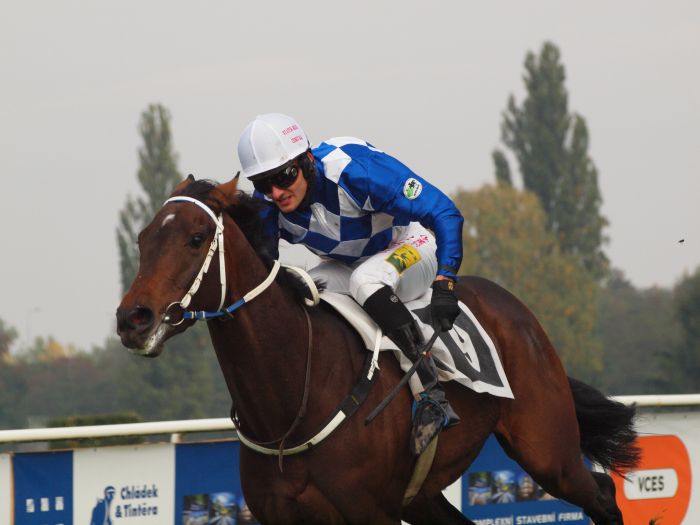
(662,487)
(224,424)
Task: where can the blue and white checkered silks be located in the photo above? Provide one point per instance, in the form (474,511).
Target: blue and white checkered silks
(359,196)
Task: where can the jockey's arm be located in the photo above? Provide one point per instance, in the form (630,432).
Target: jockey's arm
(391,187)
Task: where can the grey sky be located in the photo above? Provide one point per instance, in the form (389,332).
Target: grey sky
(424,81)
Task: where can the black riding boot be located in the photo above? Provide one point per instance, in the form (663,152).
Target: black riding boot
(432,412)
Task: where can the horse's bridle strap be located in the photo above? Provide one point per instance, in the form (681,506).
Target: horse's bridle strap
(216,243)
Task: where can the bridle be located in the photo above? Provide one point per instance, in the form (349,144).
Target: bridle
(217,244)
(345,409)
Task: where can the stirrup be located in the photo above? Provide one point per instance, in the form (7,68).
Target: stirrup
(426,399)
(429,418)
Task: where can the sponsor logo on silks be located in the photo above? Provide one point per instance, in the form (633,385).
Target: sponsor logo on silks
(403,257)
(412,188)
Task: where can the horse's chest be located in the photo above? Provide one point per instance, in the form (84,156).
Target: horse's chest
(288,496)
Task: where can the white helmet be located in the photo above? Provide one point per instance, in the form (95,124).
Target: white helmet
(270,141)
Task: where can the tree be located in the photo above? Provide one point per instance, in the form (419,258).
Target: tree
(158,175)
(551,148)
(8,335)
(12,384)
(186,381)
(638,332)
(47,350)
(500,162)
(505,239)
(683,367)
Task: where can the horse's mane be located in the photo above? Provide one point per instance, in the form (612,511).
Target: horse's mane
(245,212)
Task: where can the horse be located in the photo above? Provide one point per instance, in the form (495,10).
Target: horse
(278,355)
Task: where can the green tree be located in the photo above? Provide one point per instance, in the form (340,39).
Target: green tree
(638,331)
(683,367)
(158,175)
(500,162)
(506,240)
(551,148)
(186,381)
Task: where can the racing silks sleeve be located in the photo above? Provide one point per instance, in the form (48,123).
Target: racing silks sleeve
(379,182)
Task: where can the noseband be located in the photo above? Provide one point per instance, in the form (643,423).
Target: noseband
(217,244)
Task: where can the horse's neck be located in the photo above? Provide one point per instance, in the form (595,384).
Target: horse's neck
(262,350)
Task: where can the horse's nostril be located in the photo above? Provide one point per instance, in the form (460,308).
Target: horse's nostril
(140,317)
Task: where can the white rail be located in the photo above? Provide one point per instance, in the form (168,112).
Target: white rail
(669,400)
(225,424)
(126,429)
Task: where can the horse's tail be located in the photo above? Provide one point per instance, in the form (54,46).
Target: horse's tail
(606,427)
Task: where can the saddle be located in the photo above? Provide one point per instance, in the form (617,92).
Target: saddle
(466,354)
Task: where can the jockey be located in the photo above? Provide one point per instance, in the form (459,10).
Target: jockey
(367,216)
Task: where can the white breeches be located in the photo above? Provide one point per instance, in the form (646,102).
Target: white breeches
(408,265)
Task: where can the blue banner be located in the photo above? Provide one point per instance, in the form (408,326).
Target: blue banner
(208,485)
(43,488)
(207,488)
(497,491)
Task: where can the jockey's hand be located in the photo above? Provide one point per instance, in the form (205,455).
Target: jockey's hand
(443,306)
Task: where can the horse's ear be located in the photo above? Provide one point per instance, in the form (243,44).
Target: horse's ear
(182,185)
(229,189)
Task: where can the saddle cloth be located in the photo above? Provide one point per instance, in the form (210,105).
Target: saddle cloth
(465,354)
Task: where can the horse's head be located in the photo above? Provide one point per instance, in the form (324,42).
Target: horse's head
(173,249)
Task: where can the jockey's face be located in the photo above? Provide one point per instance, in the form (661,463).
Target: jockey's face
(288,199)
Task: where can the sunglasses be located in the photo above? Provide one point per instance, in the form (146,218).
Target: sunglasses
(281,179)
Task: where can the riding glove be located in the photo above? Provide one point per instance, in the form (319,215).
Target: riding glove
(444,307)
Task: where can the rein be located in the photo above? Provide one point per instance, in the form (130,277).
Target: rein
(302,407)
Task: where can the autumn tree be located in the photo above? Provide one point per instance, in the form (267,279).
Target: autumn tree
(551,146)
(8,335)
(506,240)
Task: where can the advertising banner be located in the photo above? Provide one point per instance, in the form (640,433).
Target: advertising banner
(5,488)
(661,489)
(199,484)
(496,491)
(43,488)
(129,485)
(208,485)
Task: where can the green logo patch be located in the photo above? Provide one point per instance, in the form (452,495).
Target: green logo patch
(412,188)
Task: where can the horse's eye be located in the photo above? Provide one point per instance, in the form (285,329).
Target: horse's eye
(196,240)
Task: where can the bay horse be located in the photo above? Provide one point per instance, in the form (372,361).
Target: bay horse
(359,473)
